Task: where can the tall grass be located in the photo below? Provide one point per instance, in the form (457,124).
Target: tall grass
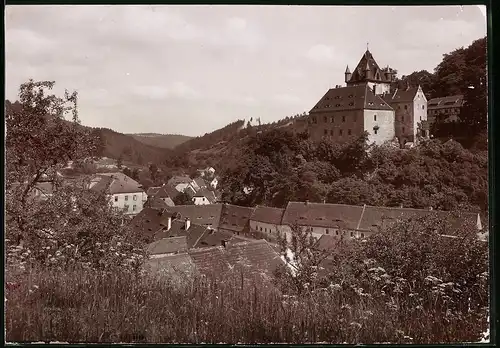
(88,306)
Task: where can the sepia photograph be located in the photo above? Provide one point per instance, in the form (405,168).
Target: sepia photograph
(243,174)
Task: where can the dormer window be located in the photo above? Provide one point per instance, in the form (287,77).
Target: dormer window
(343,118)
(350,96)
(351,104)
(370,103)
(337,105)
(337,97)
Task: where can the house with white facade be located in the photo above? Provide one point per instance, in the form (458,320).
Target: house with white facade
(267,220)
(125,193)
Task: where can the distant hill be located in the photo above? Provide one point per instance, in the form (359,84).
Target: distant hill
(164,141)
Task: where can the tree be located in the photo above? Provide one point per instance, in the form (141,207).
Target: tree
(153,171)
(302,261)
(68,226)
(183,199)
(119,162)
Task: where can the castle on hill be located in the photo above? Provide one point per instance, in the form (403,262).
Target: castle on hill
(367,104)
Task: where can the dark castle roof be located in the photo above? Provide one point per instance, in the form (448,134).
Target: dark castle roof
(368,70)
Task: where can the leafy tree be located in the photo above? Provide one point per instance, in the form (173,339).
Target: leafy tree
(119,162)
(153,171)
(183,199)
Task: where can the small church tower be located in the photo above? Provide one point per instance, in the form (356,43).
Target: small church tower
(347,74)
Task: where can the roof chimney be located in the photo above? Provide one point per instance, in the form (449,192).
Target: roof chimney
(169,223)
(188,224)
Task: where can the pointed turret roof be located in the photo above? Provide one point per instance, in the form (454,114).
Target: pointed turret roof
(366,70)
(347,71)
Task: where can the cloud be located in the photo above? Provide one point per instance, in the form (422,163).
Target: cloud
(178,90)
(320,53)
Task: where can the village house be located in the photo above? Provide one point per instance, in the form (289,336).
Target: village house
(206,215)
(267,220)
(183,182)
(235,219)
(446,109)
(361,221)
(125,193)
(367,105)
(204,196)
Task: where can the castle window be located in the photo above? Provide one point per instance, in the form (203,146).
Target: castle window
(340,132)
(374,117)
(403,129)
(337,105)
(375,131)
(343,118)
(327,231)
(351,104)
(402,118)
(423,107)
(315,120)
(331,132)
(406,107)
(331,119)
(399,107)
(325,119)
(326,131)
(350,95)
(337,97)
(349,132)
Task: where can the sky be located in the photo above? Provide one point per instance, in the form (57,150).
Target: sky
(194,69)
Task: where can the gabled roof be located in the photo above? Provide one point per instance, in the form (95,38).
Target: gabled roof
(209,195)
(210,260)
(401,95)
(268,215)
(375,217)
(358,97)
(168,245)
(255,256)
(178,229)
(322,215)
(157,203)
(200,182)
(208,214)
(213,238)
(149,221)
(452,101)
(235,218)
(175,263)
(116,183)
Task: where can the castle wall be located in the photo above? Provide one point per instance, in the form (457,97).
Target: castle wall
(384,119)
(338,125)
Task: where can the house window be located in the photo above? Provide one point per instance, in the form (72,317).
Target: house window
(125,206)
(352,234)
(327,231)
(261,229)
(340,132)
(406,107)
(134,208)
(331,132)
(420,118)
(325,119)
(423,107)
(375,131)
(126,198)
(135,197)
(343,118)
(362,235)
(374,117)
(326,131)
(349,132)
(116,198)
(336,232)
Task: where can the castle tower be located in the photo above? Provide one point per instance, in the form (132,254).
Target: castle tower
(368,72)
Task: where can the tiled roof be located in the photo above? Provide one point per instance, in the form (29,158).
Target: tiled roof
(452,101)
(256,256)
(148,222)
(350,98)
(178,229)
(322,215)
(213,238)
(168,245)
(156,203)
(210,260)
(375,217)
(401,95)
(267,215)
(172,263)
(120,183)
(235,218)
(208,214)
(209,195)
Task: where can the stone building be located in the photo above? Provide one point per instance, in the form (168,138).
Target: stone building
(367,104)
(446,109)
